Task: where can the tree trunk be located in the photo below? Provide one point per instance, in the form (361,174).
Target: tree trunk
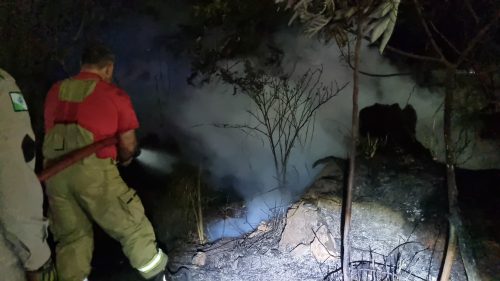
(346,237)
(457,231)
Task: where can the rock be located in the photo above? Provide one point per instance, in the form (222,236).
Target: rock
(301,219)
(301,250)
(323,247)
(263,227)
(200,259)
(302,236)
(397,214)
(398,221)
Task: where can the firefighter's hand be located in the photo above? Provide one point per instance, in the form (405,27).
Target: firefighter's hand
(126,162)
(127,147)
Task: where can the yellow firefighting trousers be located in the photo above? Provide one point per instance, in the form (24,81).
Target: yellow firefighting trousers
(93,191)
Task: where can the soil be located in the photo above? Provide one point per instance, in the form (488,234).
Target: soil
(420,202)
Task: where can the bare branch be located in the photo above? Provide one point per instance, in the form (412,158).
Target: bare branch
(475,40)
(436,47)
(349,63)
(241,127)
(404,53)
(445,39)
(283,108)
(471,10)
(412,55)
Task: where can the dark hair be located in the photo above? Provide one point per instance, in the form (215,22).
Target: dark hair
(98,55)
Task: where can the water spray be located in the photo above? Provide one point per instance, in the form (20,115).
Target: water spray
(157,160)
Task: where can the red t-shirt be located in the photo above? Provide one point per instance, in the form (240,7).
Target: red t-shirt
(106,112)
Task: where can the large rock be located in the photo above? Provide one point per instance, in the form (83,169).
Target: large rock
(323,246)
(398,219)
(305,234)
(301,222)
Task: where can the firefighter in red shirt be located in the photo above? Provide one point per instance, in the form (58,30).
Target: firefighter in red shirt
(79,111)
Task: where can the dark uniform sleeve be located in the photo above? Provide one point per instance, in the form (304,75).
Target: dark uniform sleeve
(127,119)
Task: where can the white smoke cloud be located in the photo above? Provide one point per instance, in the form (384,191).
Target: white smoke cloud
(156,79)
(402,90)
(164,94)
(248,158)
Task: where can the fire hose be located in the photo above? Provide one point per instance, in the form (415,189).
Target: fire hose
(73,157)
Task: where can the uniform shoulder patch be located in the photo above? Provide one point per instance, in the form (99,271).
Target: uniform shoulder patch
(18,102)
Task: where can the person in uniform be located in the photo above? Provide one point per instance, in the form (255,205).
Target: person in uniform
(21,196)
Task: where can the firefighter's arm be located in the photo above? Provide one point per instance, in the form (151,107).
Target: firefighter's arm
(127,147)
(127,123)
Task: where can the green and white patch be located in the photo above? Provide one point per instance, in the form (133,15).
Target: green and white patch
(18,102)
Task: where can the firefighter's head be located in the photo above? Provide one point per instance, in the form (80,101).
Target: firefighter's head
(98,59)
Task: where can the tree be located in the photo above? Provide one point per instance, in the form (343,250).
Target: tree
(284,110)
(337,19)
(452,67)
(470,57)
(220,30)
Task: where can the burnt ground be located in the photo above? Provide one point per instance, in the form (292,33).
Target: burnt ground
(479,198)
(259,257)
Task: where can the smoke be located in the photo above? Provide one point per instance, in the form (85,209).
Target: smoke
(244,157)
(335,117)
(258,209)
(248,157)
(156,81)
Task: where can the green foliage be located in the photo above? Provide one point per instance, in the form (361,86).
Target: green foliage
(335,18)
(237,16)
(215,12)
(220,30)
(470,104)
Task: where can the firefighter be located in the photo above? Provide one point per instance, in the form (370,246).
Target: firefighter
(21,198)
(78,112)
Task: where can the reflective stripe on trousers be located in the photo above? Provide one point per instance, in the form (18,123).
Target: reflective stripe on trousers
(158,261)
(93,190)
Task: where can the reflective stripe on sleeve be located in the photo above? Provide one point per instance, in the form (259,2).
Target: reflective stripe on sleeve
(154,262)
